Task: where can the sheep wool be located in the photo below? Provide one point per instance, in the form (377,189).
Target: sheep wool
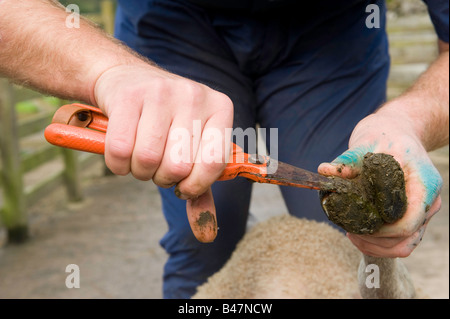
(288,257)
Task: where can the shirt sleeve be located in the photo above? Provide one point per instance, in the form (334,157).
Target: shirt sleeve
(439,14)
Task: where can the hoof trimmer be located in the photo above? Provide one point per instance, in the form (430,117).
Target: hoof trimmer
(361,205)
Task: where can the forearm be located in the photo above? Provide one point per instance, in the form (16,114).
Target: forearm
(426,104)
(37,49)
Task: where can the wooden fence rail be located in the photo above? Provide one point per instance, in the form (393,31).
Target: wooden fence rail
(16,195)
(15,163)
(13,211)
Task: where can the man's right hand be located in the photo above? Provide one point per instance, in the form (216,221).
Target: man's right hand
(144,105)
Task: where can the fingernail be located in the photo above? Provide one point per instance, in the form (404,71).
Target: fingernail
(183,196)
(339,167)
(180,195)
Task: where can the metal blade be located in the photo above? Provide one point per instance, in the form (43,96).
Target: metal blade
(285,174)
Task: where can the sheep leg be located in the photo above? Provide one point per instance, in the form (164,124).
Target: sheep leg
(384,278)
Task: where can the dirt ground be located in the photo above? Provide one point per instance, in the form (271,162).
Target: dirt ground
(113,237)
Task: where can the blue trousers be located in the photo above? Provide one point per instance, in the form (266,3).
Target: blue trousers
(314,78)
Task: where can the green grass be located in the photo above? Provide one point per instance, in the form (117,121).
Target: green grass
(27,107)
(86,6)
(53,101)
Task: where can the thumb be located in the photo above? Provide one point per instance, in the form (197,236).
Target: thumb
(346,165)
(201,213)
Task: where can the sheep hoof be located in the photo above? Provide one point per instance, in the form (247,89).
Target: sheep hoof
(377,196)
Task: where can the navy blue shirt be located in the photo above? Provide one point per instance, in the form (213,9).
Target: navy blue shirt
(438,9)
(439,15)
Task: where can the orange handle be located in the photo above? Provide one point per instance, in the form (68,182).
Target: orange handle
(79,127)
(243,164)
(75,138)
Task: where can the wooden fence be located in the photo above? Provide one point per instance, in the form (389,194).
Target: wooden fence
(16,162)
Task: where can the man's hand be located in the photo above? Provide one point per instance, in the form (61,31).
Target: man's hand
(385,132)
(407,128)
(144,103)
(146,106)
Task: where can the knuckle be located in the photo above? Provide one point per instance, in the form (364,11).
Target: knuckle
(162,182)
(194,94)
(141,176)
(147,158)
(117,169)
(224,101)
(179,171)
(144,164)
(119,149)
(168,175)
(191,189)
(214,168)
(195,90)
(162,89)
(131,94)
(117,155)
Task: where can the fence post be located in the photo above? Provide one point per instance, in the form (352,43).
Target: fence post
(72,175)
(13,213)
(107,14)
(71,171)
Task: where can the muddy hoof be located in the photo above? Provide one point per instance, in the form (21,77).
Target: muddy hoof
(377,196)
